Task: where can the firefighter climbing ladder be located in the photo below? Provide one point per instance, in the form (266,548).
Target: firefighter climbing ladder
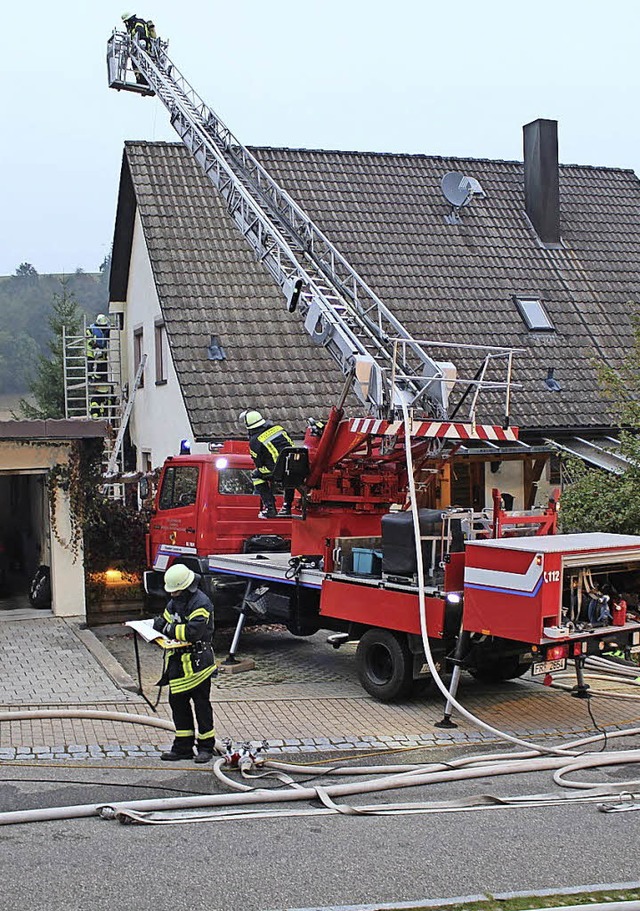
(340,311)
(93,389)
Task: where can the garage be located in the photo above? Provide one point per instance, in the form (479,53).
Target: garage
(24,535)
(36,533)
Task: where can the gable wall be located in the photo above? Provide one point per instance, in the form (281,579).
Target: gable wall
(159,418)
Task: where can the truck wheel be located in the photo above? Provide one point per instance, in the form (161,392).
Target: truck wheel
(499,670)
(384,664)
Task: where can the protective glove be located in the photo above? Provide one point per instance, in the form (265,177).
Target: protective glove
(159,624)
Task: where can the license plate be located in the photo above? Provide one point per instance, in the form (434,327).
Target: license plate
(545,667)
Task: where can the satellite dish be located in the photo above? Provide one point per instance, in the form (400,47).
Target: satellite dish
(456,189)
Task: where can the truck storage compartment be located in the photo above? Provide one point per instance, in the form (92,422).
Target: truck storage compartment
(398,542)
(548,587)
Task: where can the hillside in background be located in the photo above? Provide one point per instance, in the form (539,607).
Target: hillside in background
(26,299)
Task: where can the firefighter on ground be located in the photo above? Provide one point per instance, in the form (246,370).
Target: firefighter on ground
(266,442)
(188,618)
(143,32)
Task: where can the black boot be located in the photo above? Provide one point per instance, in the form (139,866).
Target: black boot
(181,748)
(174,755)
(204,754)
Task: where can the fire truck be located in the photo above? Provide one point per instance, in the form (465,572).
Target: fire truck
(499,599)
(504,593)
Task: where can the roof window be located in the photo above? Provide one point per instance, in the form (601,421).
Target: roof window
(533,313)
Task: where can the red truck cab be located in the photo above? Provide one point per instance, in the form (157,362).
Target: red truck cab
(205,504)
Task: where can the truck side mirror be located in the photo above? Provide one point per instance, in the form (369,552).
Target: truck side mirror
(143,488)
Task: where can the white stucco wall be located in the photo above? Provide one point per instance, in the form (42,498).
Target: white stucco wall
(159,418)
(508,479)
(67,571)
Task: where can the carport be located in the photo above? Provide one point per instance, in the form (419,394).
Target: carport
(30,535)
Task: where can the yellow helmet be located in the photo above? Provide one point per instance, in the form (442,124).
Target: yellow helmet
(177,578)
(252,419)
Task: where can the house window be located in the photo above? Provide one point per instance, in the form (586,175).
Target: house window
(533,314)
(161,359)
(137,353)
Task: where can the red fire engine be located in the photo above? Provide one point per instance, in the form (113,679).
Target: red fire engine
(498,607)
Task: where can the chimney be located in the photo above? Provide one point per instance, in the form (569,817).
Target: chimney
(541,190)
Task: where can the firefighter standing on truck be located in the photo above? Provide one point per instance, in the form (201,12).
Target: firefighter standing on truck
(188,618)
(266,442)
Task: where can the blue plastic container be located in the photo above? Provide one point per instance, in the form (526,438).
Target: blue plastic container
(366,561)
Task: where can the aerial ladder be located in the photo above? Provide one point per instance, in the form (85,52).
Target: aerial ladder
(387,368)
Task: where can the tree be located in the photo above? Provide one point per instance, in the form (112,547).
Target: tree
(597,500)
(26,271)
(47,387)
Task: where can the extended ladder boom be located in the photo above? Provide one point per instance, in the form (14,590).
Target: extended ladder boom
(340,311)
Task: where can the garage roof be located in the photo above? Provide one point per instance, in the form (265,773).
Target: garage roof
(52,430)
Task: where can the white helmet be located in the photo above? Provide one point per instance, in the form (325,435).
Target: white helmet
(177,578)
(126,16)
(252,419)
(102,320)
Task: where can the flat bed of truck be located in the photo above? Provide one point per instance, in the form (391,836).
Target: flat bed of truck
(272,567)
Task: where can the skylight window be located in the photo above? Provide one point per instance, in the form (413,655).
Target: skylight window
(533,314)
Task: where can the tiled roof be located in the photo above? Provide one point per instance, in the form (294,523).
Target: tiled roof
(386,214)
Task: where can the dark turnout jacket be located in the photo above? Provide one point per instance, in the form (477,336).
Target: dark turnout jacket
(190,620)
(265,445)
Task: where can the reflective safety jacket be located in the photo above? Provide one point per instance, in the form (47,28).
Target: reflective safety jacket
(265,445)
(190,619)
(138,28)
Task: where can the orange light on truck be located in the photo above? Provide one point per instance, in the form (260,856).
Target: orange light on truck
(557,651)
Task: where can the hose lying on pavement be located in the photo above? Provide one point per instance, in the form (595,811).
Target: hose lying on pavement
(96,714)
(462,768)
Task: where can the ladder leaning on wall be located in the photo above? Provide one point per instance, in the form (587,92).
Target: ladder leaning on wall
(93,390)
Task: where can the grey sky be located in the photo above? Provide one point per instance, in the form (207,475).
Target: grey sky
(399,76)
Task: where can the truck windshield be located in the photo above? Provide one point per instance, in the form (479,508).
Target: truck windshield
(179,487)
(235,481)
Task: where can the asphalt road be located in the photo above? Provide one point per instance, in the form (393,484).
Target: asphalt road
(307,862)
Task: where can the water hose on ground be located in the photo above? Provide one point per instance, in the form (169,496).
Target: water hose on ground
(96,714)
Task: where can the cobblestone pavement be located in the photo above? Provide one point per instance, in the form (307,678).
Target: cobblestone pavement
(303,697)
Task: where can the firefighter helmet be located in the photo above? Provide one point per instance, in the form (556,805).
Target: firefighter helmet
(177,578)
(102,320)
(252,419)
(127,16)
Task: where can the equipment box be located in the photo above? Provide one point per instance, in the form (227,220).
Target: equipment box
(515,587)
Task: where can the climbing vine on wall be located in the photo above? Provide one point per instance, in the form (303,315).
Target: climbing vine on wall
(112,533)
(78,478)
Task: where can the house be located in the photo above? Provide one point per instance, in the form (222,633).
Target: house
(543,259)
(36,521)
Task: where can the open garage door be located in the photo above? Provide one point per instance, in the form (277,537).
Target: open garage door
(24,535)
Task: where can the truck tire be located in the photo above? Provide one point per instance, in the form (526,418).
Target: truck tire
(499,670)
(384,664)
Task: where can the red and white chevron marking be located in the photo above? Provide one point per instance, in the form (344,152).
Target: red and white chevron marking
(447,430)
